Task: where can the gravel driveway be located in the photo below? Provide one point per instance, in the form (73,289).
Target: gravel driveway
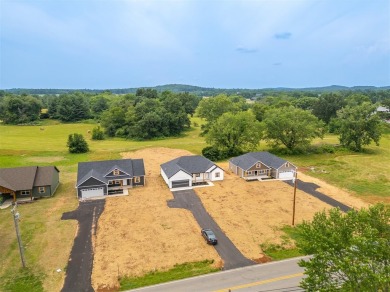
(231,256)
(79,269)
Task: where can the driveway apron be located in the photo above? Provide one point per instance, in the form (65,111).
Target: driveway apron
(79,269)
(231,256)
(311,189)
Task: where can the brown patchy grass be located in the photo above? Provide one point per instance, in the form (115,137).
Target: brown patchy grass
(251,213)
(139,233)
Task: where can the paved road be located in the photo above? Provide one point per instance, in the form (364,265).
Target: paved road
(79,269)
(276,276)
(231,256)
(311,189)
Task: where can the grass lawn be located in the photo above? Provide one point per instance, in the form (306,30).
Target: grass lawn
(48,240)
(365,174)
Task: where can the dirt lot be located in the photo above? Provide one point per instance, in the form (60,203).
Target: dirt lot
(139,233)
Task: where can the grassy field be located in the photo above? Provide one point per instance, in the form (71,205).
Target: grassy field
(48,239)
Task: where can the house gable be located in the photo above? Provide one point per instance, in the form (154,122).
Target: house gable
(91,181)
(117,172)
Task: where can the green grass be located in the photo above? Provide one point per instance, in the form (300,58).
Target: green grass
(176,273)
(286,249)
(24,280)
(366,174)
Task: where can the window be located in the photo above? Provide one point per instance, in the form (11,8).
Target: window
(25,193)
(137,179)
(117,182)
(217,174)
(258,165)
(41,190)
(110,182)
(115,172)
(249,172)
(197,175)
(287,164)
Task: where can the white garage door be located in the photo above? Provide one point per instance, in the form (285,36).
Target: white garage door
(93,192)
(286,175)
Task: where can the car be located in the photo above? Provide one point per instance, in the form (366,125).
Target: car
(209,236)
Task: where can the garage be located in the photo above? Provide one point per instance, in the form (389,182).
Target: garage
(180,183)
(286,175)
(92,192)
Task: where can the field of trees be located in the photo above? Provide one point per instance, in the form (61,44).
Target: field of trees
(35,130)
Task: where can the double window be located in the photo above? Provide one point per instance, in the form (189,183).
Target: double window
(137,179)
(115,172)
(25,193)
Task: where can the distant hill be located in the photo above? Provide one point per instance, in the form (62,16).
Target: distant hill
(202,91)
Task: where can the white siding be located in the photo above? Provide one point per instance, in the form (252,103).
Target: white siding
(217,170)
(164,176)
(124,182)
(181,175)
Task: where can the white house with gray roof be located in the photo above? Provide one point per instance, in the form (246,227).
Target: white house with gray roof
(188,171)
(108,177)
(264,165)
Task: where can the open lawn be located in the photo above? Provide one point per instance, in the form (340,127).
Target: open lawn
(48,240)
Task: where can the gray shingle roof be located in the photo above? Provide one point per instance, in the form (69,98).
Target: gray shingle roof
(98,169)
(25,178)
(189,164)
(247,160)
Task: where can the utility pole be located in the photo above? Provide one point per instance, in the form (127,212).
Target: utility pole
(16,221)
(295,194)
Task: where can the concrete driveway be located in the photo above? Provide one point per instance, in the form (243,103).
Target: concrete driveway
(232,257)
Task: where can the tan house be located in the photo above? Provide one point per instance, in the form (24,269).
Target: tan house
(262,165)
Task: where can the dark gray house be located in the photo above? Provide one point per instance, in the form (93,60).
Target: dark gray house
(108,177)
(28,182)
(262,165)
(187,170)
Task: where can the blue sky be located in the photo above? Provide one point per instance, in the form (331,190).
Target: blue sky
(224,44)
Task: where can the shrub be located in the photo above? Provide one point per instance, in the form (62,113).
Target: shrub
(97,134)
(214,153)
(77,144)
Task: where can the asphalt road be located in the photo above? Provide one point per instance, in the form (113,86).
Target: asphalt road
(79,269)
(231,256)
(281,276)
(311,189)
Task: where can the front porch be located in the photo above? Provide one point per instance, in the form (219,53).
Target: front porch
(10,201)
(257,177)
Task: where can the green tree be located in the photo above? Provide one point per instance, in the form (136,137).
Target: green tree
(350,252)
(259,110)
(20,109)
(327,106)
(358,126)
(99,104)
(291,127)
(235,133)
(112,120)
(77,144)
(73,107)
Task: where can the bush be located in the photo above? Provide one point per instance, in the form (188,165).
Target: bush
(214,153)
(97,134)
(77,144)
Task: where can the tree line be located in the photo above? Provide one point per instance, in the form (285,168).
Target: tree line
(286,120)
(289,123)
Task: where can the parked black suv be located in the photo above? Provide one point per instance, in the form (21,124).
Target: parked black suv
(209,236)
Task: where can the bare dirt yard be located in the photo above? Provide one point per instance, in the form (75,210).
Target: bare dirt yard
(139,233)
